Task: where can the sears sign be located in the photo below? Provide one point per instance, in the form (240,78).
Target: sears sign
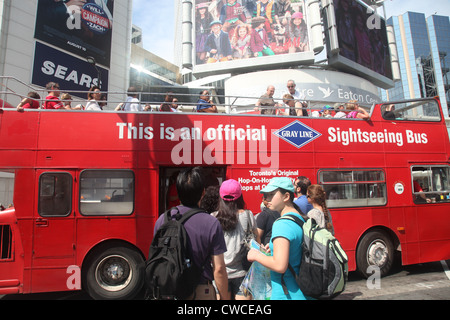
(71,73)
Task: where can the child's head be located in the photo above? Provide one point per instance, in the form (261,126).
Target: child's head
(297,18)
(258,22)
(202,7)
(67,98)
(242,30)
(216,26)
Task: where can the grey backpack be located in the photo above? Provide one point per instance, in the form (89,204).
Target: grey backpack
(324,266)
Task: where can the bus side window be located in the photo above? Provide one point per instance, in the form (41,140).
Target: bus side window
(106,192)
(354,188)
(431,184)
(55,194)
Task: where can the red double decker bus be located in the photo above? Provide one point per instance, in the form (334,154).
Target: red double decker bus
(89,186)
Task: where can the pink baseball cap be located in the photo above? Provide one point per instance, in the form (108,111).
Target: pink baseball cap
(230,190)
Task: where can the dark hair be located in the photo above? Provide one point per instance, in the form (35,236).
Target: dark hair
(190,186)
(292,198)
(33,95)
(91,91)
(210,201)
(303,184)
(132,92)
(228,213)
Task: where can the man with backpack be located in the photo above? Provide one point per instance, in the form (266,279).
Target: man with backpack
(198,241)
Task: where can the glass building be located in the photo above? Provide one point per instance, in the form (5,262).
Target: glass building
(423,47)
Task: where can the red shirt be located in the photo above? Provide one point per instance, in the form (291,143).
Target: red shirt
(52,102)
(32,105)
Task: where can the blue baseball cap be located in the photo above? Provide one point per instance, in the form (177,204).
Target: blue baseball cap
(279,182)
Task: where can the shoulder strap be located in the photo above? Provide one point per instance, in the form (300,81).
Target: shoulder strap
(248,222)
(182,218)
(299,222)
(189,214)
(291,217)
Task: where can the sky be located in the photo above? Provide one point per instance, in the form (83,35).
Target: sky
(156,19)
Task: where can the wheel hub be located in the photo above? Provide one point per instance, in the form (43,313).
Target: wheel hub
(377,253)
(113,273)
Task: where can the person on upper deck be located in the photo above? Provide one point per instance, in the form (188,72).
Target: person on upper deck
(340,113)
(266,100)
(294,107)
(166,106)
(94,96)
(66,98)
(356,112)
(204,104)
(52,101)
(30,102)
(326,112)
(132,103)
(291,86)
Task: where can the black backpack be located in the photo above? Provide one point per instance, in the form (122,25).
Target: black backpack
(169,270)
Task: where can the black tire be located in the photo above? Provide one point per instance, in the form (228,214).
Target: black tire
(115,273)
(375,249)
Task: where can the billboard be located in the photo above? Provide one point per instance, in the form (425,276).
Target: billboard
(83,28)
(247,34)
(71,73)
(358,42)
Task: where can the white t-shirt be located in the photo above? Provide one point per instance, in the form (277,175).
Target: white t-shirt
(132,104)
(297,95)
(93,105)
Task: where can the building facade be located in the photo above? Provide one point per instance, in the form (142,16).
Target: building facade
(43,41)
(424,57)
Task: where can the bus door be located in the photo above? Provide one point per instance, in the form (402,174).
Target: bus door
(54,229)
(431,197)
(168,198)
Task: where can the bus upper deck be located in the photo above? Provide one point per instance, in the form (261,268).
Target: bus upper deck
(91,183)
(394,134)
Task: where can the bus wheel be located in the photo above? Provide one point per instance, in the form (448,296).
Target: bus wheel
(115,273)
(375,249)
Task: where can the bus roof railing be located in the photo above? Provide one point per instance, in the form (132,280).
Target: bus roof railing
(187,101)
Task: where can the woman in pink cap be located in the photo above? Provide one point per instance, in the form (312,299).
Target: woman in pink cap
(235,221)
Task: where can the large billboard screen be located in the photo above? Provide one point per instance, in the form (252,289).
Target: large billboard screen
(239,34)
(83,28)
(362,43)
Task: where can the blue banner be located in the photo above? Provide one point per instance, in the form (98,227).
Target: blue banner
(72,74)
